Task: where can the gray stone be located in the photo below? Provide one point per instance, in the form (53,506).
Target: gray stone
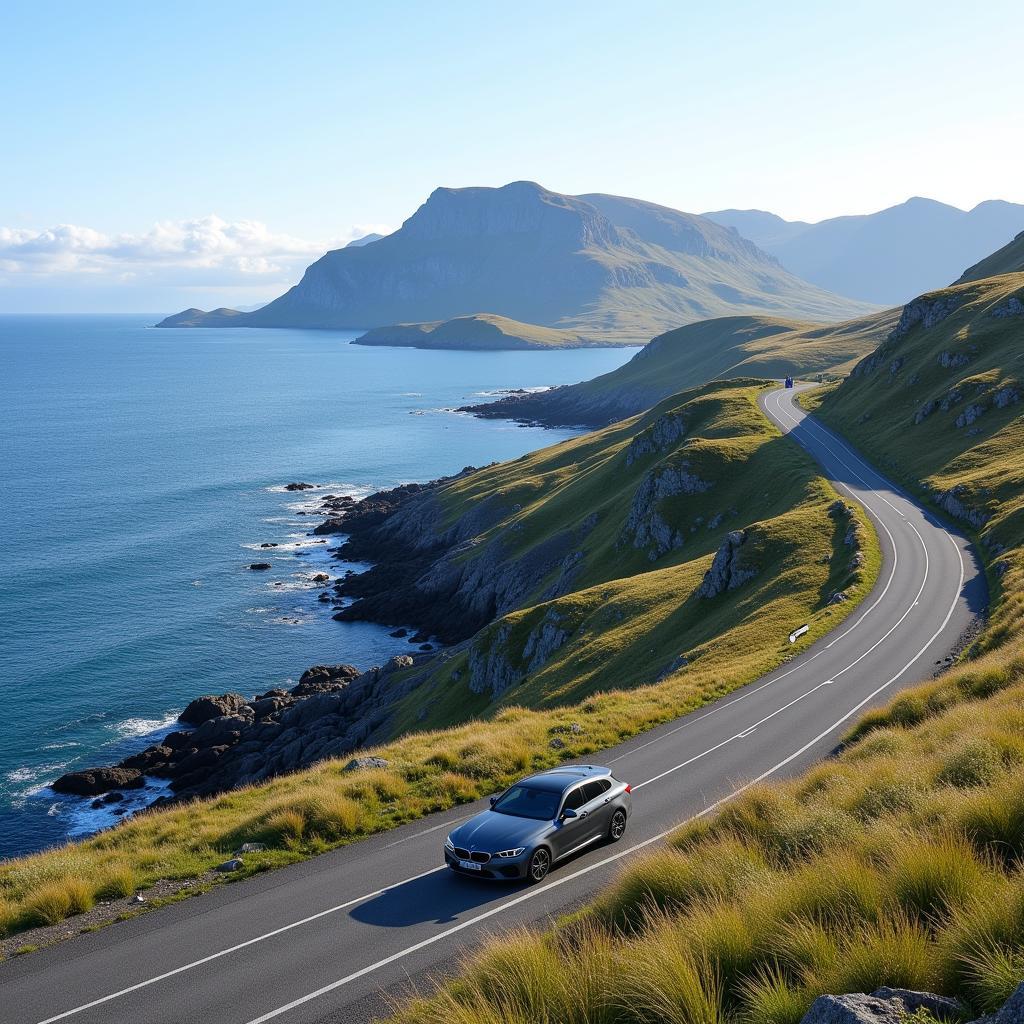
(359,763)
(235,864)
(1012,1011)
(970,414)
(250,848)
(726,572)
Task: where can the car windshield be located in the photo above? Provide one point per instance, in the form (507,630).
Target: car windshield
(524,802)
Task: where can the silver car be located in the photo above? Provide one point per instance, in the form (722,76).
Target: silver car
(539,821)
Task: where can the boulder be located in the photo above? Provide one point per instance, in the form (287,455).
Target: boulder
(359,763)
(725,572)
(299,486)
(234,864)
(202,709)
(93,781)
(260,566)
(1012,1011)
(883,1006)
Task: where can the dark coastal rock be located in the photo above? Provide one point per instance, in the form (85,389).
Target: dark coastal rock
(204,708)
(94,781)
(299,486)
(269,544)
(259,566)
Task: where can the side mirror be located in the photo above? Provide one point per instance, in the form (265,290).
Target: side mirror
(494,800)
(568,812)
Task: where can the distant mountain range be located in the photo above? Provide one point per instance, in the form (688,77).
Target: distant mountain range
(886,257)
(608,268)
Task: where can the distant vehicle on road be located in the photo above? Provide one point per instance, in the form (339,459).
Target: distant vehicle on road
(789,382)
(539,821)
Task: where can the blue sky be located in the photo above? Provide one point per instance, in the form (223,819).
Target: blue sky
(161,155)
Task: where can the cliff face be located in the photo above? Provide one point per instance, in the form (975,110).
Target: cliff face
(602,265)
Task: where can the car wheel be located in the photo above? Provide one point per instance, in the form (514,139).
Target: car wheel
(617,828)
(540,864)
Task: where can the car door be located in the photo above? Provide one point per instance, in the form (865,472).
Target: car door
(570,832)
(596,807)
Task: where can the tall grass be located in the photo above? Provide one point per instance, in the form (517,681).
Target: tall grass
(897,863)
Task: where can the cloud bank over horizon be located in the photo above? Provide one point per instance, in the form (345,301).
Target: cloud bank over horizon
(208,258)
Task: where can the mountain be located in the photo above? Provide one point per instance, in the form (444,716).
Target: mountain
(365,240)
(483,331)
(604,266)
(726,347)
(886,257)
(1008,260)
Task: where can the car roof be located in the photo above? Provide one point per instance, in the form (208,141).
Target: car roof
(560,779)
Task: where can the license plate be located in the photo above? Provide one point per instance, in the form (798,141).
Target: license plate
(469,865)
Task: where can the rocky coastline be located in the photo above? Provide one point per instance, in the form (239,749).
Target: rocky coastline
(229,740)
(562,406)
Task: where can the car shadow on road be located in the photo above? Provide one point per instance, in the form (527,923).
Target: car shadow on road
(438,897)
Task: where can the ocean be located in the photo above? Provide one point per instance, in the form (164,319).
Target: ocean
(142,469)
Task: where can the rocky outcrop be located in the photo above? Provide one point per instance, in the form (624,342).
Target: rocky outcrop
(927,311)
(436,575)
(93,781)
(1013,306)
(665,433)
(883,1006)
(953,360)
(970,415)
(202,709)
(333,711)
(646,526)
(952,501)
(727,570)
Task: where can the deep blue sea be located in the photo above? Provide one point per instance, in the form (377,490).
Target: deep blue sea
(140,471)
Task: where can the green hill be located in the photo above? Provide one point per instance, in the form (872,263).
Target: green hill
(610,268)
(1008,260)
(726,347)
(939,404)
(481,331)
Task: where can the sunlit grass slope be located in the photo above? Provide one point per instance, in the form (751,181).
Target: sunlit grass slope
(631,609)
(627,620)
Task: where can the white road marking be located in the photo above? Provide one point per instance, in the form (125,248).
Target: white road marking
(534,892)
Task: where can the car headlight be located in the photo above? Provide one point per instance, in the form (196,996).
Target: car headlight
(511,853)
(448,844)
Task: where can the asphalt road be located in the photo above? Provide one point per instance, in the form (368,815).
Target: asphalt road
(334,938)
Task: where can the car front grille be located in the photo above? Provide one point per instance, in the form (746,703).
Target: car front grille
(476,855)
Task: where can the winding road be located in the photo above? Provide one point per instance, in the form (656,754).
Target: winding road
(335,938)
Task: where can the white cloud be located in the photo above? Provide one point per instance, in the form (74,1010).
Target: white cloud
(210,251)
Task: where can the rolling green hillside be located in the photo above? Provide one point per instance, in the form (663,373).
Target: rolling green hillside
(895,863)
(697,537)
(630,514)
(1008,260)
(939,404)
(481,331)
(732,346)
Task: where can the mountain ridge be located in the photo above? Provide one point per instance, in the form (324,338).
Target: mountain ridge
(886,257)
(604,266)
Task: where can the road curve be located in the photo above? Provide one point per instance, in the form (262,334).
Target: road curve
(333,938)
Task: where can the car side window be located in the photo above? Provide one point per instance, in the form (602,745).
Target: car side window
(575,799)
(592,790)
